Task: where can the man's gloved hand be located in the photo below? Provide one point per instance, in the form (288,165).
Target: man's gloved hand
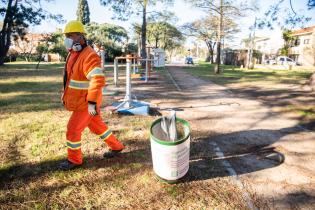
(92,108)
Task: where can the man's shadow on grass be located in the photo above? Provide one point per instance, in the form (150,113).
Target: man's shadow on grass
(29,172)
(49,179)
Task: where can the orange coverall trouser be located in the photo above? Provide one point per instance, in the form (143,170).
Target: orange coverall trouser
(78,121)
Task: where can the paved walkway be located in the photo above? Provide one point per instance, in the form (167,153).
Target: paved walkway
(272,156)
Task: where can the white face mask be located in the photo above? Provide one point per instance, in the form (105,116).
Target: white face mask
(68,43)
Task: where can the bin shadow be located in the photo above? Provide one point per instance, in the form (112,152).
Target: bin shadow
(243,155)
(209,167)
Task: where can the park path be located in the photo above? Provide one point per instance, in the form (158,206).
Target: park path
(272,156)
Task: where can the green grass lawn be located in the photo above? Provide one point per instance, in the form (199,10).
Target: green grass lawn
(20,65)
(232,74)
(32,143)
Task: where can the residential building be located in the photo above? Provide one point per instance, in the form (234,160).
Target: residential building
(28,44)
(268,46)
(303,47)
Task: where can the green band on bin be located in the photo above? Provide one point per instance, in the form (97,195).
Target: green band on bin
(171,143)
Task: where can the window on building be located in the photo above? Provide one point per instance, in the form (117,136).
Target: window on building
(306,41)
(297,42)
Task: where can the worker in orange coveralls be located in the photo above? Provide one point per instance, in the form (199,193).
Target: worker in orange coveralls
(83,83)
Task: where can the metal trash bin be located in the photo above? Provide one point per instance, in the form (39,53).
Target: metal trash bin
(170,157)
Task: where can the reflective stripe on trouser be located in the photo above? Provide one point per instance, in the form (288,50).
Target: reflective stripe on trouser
(78,121)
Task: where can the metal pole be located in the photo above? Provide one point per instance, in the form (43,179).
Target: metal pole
(134,66)
(146,70)
(116,72)
(102,58)
(128,82)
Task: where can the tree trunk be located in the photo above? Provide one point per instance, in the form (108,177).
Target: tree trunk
(39,60)
(210,51)
(211,56)
(5,34)
(1,60)
(218,60)
(312,82)
(139,45)
(144,32)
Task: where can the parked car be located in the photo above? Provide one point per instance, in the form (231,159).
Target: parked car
(189,60)
(270,61)
(284,60)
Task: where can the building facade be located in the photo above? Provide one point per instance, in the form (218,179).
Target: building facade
(302,49)
(268,47)
(29,44)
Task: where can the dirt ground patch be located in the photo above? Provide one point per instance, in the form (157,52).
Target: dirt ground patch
(292,100)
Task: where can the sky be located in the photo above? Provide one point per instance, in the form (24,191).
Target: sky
(185,13)
(101,14)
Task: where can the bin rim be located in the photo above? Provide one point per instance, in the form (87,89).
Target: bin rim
(170,143)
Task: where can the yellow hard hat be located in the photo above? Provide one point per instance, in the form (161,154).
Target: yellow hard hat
(74,26)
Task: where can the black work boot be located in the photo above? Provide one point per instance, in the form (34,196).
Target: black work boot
(67,165)
(111,153)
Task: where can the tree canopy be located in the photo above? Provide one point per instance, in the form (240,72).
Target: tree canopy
(205,29)
(283,14)
(112,37)
(123,10)
(164,35)
(83,12)
(223,9)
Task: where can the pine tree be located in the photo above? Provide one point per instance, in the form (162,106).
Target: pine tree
(83,12)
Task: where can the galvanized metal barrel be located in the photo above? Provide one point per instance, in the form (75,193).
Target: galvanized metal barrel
(170,158)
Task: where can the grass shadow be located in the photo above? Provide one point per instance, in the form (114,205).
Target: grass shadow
(27,172)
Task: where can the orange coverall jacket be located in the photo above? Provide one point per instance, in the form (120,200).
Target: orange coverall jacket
(83,81)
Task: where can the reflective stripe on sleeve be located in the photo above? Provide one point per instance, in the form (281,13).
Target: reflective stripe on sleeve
(95,72)
(81,85)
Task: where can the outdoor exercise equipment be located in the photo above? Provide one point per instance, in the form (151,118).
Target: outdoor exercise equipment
(102,54)
(128,105)
(134,61)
